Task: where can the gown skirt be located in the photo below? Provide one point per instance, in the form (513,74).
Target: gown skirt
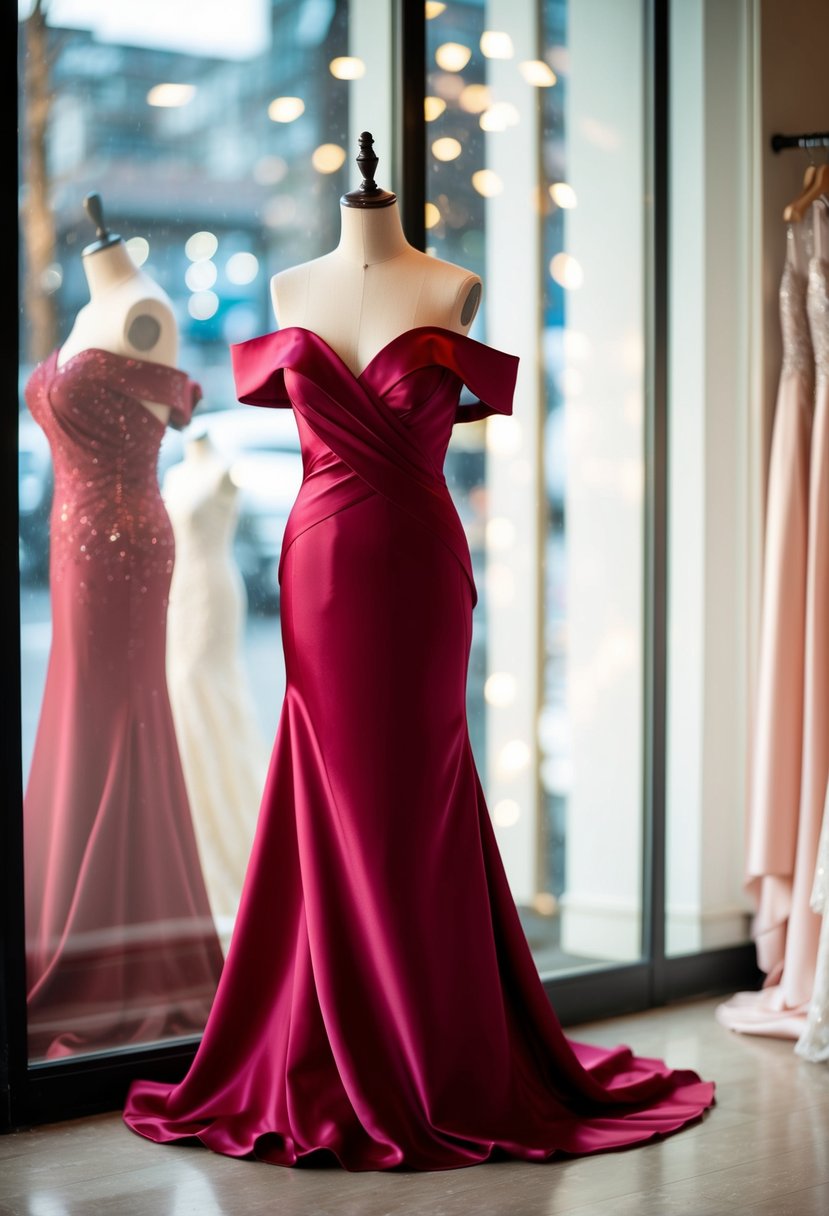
(379,1005)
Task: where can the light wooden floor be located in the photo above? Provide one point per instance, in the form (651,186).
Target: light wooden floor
(764,1150)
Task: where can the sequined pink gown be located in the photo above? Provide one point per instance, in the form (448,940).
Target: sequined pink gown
(120,944)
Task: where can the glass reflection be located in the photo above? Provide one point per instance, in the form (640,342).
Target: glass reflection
(212,146)
(121,946)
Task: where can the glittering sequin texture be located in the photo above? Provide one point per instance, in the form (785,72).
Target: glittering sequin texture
(110,533)
(120,945)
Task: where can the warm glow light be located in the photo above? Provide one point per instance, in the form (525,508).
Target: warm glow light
(138,247)
(433,107)
(285,109)
(487,182)
(201,245)
(495,44)
(201,275)
(499,116)
(538,73)
(475,98)
(203,305)
(513,757)
(563,196)
(171,95)
(452,56)
(448,84)
(432,216)
(328,158)
(500,689)
(242,268)
(566,271)
(500,532)
(434,9)
(506,812)
(446,148)
(545,903)
(347,67)
(503,435)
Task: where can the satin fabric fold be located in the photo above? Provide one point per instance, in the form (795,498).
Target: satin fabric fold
(379,1005)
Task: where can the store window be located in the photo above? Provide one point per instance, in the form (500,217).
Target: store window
(535,150)
(218,147)
(219,150)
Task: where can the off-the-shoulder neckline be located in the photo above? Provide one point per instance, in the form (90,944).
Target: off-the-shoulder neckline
(419,330)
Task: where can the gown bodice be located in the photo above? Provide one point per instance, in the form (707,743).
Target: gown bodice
(794,321)
(383,431)
(104,446)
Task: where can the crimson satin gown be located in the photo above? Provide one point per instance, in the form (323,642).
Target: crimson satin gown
(379,1002)
(120,943)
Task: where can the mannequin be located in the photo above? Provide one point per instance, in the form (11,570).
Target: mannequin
(128,313)
(120,943)
(374,285)
(205,466)
(223,754)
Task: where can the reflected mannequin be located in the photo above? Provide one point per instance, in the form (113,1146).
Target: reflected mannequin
(223,753)
(380,1007)
(120,944)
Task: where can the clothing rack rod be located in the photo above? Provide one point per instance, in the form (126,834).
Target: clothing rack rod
(818,139)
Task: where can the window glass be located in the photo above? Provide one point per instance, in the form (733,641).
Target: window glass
(219,146)
(535,181)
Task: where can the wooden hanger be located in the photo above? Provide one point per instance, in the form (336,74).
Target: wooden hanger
(815,183)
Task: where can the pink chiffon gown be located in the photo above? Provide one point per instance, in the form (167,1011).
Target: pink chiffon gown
(791,742)
(379,1006)
(120,943)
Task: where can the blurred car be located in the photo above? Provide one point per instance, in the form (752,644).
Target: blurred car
(262,453)
(35,486)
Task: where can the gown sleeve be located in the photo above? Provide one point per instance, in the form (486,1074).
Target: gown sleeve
(489,374)
(165,386)
(258,369)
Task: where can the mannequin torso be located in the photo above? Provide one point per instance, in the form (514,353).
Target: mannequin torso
(373,287)
(203,473)
(127,314)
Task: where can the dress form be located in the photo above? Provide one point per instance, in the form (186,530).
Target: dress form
(128,313)
(374,286)
(223,754)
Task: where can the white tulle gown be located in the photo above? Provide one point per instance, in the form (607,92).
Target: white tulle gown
(223,753)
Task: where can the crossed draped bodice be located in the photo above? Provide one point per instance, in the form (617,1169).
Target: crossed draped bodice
(384,431)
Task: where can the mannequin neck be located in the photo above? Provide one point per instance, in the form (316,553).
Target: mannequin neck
(371,234)
(108,268)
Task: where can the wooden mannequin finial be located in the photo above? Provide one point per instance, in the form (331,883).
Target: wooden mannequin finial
(94,208)
(368,193)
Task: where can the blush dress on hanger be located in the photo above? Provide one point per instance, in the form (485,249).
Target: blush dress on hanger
(814,1040)
(380,1006)
(120,943)
(791,742)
